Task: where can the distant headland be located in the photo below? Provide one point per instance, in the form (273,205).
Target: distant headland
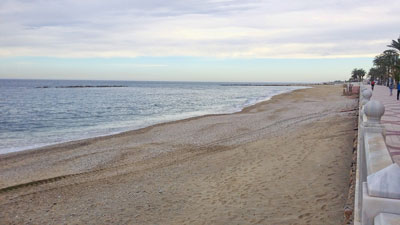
(84,86)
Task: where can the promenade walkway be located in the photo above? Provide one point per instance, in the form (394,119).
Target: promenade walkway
(391,119)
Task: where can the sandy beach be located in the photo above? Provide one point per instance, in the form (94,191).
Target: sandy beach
(283,161)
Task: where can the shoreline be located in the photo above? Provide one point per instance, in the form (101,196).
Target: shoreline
(22,150)
(282,161)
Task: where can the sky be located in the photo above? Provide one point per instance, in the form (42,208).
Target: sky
(193,40)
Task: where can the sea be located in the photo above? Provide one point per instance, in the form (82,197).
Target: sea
(36,113)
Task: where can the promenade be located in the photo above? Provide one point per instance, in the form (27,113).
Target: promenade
(391,118)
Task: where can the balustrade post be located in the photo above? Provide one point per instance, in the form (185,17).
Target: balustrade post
(374,111)
(367,94)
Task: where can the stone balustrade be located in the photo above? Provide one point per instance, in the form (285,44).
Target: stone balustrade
(377,199)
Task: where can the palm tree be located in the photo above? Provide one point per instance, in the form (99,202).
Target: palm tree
(396,70)
(380,63)
(358,74)
(386,62)
(354,76)
(375,72)
(395,44)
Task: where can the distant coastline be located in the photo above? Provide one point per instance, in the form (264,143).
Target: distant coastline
(259,85)
(84,86)
(279,84)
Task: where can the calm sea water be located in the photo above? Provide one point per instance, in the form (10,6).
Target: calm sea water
(32,117)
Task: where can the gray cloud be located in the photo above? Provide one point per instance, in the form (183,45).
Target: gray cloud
(213,28)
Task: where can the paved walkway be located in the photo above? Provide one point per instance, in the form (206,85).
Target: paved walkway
(391,118)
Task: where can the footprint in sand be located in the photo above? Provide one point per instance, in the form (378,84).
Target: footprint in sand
(304,215)
(335,196)
(321,195)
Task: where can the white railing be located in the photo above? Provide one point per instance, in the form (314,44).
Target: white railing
(377,194)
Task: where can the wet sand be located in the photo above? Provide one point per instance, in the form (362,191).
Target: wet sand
(283,161)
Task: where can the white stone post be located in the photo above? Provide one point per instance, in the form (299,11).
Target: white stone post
(367,94)
(362,89)
(374,111)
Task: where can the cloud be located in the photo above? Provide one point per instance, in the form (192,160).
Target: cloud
(210,28)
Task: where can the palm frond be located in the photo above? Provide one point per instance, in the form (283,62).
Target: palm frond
(395,44)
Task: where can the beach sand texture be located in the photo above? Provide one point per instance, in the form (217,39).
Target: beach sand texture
(283,161)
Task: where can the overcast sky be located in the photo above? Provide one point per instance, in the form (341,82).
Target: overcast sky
(221,40)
